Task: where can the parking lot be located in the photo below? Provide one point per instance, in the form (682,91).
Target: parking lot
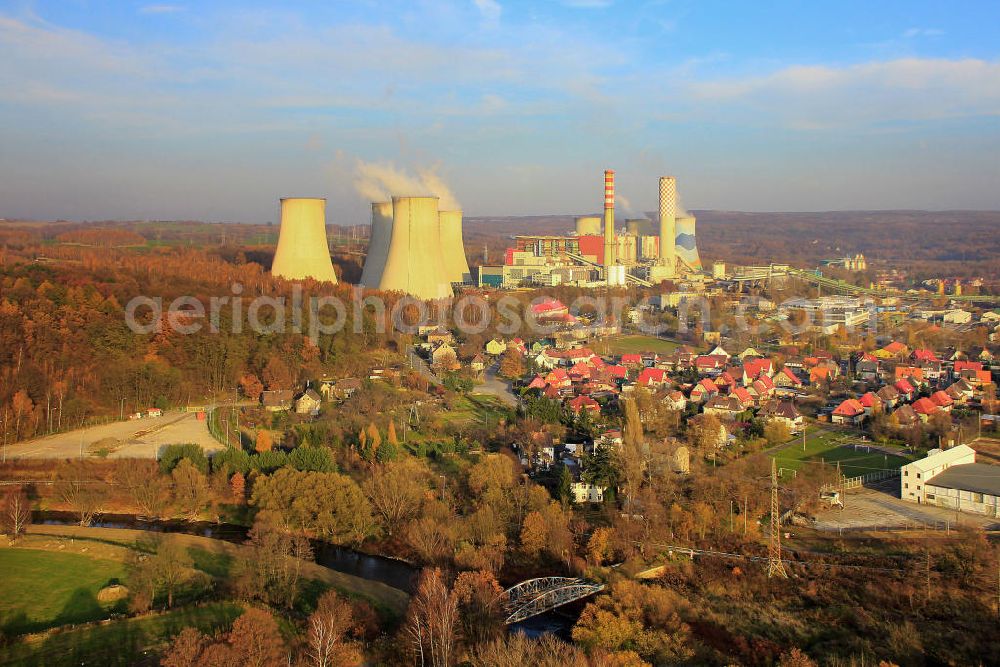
(140,438)
(879,506)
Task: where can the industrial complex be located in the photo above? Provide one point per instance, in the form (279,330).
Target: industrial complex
(596,253)
(418,249)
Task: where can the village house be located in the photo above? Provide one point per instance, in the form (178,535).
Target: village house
(725,407)
(444,356)
(277,400)
(783,412)
(849,412)
(925,407)
(585,492)
(905,416)
(308,403)
(496,347)
(478,364)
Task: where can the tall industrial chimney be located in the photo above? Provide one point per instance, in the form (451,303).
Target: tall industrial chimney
(609,217)
(668,232)
(378,244)
(303,251)
(414,262)
(453,247)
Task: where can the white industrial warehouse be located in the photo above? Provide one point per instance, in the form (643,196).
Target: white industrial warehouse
(951,478)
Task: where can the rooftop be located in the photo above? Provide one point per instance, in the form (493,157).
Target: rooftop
(974,477)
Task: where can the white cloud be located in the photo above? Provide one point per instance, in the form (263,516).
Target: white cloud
(160,9)
(490,9)
(588,4)
(922,32)
(908,89)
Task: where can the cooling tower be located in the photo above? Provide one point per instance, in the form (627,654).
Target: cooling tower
(687,248)
(588,225)
(414,263)
(302,250)
(453,247)
(639,227)
(378,244)
(609,217)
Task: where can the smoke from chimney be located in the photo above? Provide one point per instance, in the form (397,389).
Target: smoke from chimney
(380,181)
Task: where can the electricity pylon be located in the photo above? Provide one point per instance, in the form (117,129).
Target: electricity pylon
(774,565)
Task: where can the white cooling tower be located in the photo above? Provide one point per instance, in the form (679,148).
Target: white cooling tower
(302,250)
(378,244)
(453,247)
(414,262)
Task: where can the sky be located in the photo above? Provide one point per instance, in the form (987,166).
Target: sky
(215,110)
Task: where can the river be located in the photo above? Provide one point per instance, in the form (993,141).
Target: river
(395,573)
(388,571)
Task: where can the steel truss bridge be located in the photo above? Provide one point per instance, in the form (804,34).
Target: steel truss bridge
(537,596)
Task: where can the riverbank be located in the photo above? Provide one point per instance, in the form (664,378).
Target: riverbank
(84,539)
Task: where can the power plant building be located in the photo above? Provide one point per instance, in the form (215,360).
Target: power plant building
(303,250)
(644,252)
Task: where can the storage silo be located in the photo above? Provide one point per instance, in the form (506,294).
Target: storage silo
(303,251)
(414,262)
(687,246)
(378,244)
(588,225)
(453,247)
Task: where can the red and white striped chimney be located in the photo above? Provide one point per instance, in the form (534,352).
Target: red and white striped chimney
(609,217)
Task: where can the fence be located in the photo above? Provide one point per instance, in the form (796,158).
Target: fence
(859,481)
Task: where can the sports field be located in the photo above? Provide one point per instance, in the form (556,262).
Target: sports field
(855,456)
(640,344)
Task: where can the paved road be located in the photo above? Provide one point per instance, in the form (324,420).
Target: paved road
(421,367)
(142,438)
(497,386)
(880,506)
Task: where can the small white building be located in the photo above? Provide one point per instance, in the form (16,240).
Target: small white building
(914,476)
(585,492)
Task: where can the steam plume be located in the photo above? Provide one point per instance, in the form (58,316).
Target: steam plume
(380,181)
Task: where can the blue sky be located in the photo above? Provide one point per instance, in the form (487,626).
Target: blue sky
(214,110)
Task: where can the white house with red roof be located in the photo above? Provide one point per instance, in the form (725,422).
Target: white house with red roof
(753,369)
(652,378)
(849,412)
(925,407)
(906,390)
(704,390)
(745,398)
(871,403)
(584,403)
(942,400)
(676,400)
(558,378)
(634,360)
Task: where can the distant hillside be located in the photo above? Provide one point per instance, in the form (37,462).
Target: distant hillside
(953,242)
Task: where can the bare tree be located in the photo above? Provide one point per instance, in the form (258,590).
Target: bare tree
(326,630)
(16,513)
(395,491)
(149,491)
(432,620)
(80,489)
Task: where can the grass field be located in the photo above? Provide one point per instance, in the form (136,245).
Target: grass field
(121,642)
(830,446)
(638,343)
(44,589)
